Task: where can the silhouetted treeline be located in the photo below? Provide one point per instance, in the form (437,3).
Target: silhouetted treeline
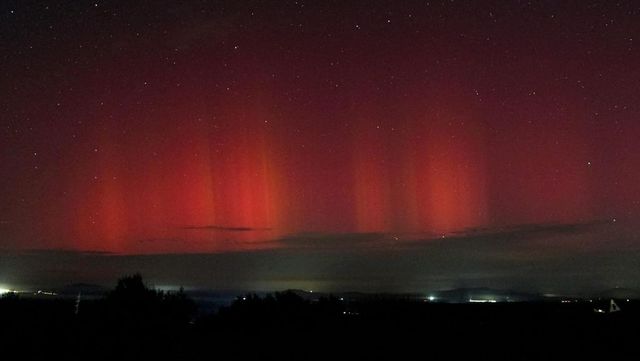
(133,304)
(136,322)
(131,321)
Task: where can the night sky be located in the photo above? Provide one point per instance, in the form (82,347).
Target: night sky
(299,133)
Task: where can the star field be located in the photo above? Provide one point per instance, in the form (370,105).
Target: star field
(215,126)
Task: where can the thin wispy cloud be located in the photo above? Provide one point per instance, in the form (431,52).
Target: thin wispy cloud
(220,228)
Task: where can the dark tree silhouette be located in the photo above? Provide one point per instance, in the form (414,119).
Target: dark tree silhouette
(132,303)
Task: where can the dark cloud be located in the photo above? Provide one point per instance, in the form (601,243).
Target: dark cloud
(512,236)
(323,241)
(550,258)
(529,230)
(215,227)
(63,252)
(163,240)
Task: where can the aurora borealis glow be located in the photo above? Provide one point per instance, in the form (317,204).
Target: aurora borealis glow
(157,127)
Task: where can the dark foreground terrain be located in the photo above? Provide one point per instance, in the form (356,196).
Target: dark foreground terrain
(133,322)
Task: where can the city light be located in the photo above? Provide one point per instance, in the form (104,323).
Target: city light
(4,290)
(481,301)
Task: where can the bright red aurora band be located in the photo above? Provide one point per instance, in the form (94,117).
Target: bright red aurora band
(206,139)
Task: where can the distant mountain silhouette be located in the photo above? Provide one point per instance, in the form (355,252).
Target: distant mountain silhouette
(84,288)
(620,293)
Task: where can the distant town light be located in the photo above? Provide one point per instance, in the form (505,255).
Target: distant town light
(46,293)
(4,290)
(472,300)
(431,298)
